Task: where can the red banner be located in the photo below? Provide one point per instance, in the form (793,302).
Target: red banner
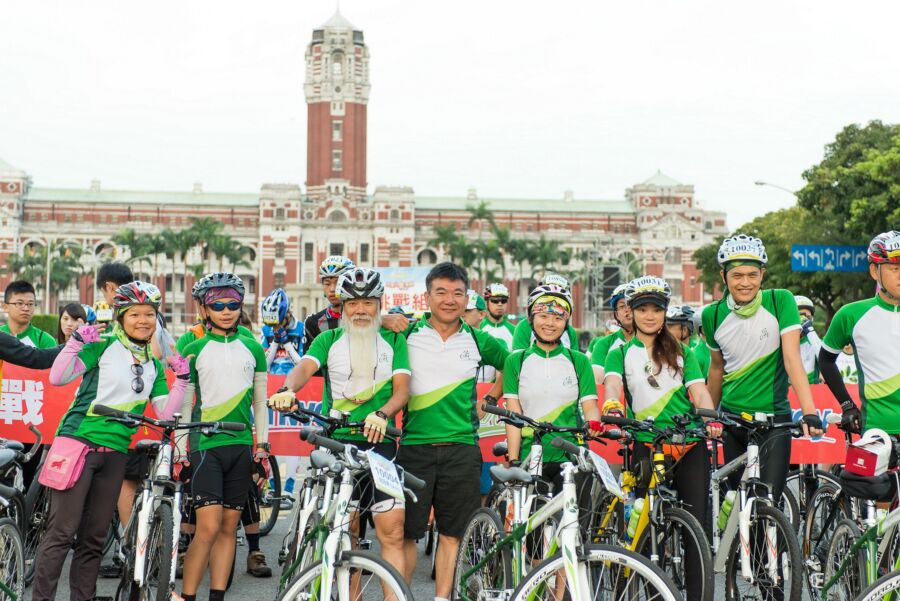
(29,399)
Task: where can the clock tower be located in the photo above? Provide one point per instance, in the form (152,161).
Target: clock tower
(337,94)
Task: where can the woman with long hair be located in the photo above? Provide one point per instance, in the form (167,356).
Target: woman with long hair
(71,317)
(661,379)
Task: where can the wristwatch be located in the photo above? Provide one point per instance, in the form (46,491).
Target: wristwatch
(489,399)
(381,414)
(282,389)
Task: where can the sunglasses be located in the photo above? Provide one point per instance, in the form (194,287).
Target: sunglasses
(137,385)
(220,306)
(651,379)
(498,301)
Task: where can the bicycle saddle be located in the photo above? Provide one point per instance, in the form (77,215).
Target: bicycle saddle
(7,456)
(500,449)
(510,474)
(13,445)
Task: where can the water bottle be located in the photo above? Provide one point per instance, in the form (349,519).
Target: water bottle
(725,509)
(635,518)
(628,505)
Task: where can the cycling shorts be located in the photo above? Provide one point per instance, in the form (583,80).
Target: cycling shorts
(221,476)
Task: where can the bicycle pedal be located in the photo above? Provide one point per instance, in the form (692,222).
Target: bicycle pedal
(493,594)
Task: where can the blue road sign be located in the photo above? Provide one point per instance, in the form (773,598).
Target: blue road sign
(819,257)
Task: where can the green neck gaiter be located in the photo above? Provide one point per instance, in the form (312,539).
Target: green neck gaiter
(141,352)
(747,310)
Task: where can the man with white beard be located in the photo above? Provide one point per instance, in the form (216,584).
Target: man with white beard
(366,370)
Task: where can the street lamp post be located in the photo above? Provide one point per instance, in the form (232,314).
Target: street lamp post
(784,189)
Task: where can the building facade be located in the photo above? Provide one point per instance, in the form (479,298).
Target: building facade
(289,230)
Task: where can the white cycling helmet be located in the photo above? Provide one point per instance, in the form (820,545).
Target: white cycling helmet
(804,302)
(648,289)
(742,248)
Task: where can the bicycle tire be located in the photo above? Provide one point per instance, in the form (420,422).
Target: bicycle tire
(826,509)
(16,511)
(12,561)
(37,507)
(853,579)
(886,588)
(621,569)
(790,507)
(306,556)
(691,526)
(270,499)
(483,529)
(364,563)
(822,476)
(788,549)
(159,556)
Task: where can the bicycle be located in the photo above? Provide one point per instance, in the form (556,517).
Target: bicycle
(668,534)
(150,538)
(298,548)
(573,569)
(856,559)
(269,498)
(12,550)
(340,568)
(16,506)
(758,549)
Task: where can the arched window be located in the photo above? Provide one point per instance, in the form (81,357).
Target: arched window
(337,217)
(427,257)
(337,64)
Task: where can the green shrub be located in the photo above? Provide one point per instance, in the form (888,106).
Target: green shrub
(47,322)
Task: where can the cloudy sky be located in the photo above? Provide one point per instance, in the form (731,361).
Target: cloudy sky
(515,98)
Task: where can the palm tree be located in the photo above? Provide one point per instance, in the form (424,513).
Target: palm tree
(139,246)
(29,264)
(205,229)
(445,238)
(228,249)
(480,214)
(520,251)
(547,254)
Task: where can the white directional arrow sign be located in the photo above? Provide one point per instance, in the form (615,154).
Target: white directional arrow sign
(800,257)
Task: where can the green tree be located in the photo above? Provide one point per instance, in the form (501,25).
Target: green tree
(204,231)
(28,264)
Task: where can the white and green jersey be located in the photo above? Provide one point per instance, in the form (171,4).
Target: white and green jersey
(524,337)
(224,374)
(503,332)
(810,345)
(755,378)
(872,326)
(331,352)
(550,387)
(108,381)
(442,386)
(669,397)
(604,346)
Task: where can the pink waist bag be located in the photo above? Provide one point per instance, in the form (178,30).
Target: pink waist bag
(64,463)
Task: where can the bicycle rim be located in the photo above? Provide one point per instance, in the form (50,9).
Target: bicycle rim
(12,561)
(886,588)
(787,581)
(853,577)
(482,532)
(822,517)
(371,577)
(269,499)
(159,557)
(38,508)
(610,573)
(683,548)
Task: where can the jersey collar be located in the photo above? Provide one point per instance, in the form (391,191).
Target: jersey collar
(884,304)
(557,350)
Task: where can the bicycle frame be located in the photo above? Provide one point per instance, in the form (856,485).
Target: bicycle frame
(567,537)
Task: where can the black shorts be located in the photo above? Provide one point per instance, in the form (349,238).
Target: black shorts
(221,476)
(250,513)
(366,497)
(137,466)
(452,475)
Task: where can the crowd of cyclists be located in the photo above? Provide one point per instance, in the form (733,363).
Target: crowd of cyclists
(679,369)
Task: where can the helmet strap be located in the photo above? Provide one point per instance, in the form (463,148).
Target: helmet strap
(882,287)
(210,324)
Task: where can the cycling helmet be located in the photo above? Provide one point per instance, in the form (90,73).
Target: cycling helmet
(648,289)
(885,248)
(217,280)
(474,301)
(404,310)
(556,280)
(697,320)
(804,303)
(742,248)
(91,315)
(549,291)
(334,266)
(617,295)
(136,293)
(496,291)
(359,283)
(683,315)
(274,307)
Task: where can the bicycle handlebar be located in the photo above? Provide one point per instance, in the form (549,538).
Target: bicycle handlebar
(313,437)
(565,446)
(109,412)
(303,415)
(412,482)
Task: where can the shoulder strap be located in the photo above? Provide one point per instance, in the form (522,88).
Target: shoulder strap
(568,352)
(775,305)
(716,317)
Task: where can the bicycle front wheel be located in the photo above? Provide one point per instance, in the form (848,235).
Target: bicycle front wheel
(37,507)
(269,499)
(852,578)
(12,561)
(827,507)
(367,576)
(886,588)
(610,573)
(684,553)
(157,585)
(776,566)
(482,532)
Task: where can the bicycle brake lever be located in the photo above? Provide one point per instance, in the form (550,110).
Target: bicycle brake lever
(412,496)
